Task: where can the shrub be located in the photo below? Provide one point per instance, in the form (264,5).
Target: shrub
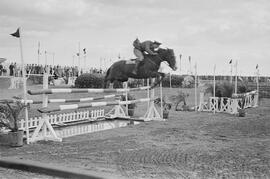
(133,83)
(35,79)
(223,89)
(188,82)
(88,80)
(242,88)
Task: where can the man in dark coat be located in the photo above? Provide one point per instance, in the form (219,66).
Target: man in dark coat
(142,47)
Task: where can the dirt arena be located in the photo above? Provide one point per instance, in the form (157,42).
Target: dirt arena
(187,145)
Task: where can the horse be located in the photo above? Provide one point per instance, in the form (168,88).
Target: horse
(122,70)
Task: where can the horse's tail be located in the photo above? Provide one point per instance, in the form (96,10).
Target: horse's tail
(106,78)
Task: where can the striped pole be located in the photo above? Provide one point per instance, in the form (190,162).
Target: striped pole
(88,105)
(90,90)
(72,100)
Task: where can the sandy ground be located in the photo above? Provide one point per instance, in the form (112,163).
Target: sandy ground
(187,145)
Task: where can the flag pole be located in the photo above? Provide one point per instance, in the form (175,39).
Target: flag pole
(257,81)
(38,52)
(235,84)
(214,88)
(24,88)
(79,58)
(170,80)
(231,72)
(189,59)
(180,65)
(196,82)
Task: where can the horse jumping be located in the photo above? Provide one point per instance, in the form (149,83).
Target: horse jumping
(122,70)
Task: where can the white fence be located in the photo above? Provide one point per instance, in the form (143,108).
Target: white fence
(229,105)
(65,118)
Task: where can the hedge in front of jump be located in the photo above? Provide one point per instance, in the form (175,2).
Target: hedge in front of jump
(90,80)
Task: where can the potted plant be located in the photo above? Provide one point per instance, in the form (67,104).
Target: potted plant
(131,107)
(9,117)
(166,107)
(242,111)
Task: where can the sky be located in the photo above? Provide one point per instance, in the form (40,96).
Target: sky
(210,31)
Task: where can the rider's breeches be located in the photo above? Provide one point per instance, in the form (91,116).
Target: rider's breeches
(138,54)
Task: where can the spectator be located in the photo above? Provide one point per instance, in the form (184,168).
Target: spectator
(1,69)
(11,69)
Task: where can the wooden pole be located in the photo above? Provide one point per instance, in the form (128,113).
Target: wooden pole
(170,81)
(196,82)
(148,93)
(258,82)
(161,100)
(126,95)
(214,88)
(180,65)
(231,79)
(189,59)
(235,84)
(24,88)
(38,51)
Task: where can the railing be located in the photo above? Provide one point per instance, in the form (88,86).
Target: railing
(65,118)
(229,105)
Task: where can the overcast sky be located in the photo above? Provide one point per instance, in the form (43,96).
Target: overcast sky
(210,31)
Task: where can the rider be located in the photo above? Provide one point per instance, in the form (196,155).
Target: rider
(141,47)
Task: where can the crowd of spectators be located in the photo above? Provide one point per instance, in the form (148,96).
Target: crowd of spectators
(13,69)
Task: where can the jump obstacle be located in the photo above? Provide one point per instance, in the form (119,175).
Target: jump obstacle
(229,105)
(44,129)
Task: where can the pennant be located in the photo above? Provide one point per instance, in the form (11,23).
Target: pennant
(189,58)
(17,33)
(257,66)
(180,56)
(230,61)
(78,54)
(84,51)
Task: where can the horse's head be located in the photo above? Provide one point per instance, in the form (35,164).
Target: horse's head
(168,56)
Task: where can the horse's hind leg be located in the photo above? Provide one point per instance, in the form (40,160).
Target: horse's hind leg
(159,77)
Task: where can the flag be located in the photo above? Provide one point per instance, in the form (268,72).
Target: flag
(230,61)
(180,56)
(17,33)
(189,58)
(257,66)
(78,54)
(84,51)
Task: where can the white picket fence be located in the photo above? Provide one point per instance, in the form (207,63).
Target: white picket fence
(63,118)
(228,105)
